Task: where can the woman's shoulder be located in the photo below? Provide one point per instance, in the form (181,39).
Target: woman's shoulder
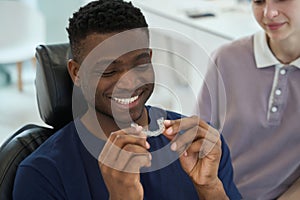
(236,47)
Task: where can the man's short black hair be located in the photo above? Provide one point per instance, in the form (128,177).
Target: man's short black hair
(102,16)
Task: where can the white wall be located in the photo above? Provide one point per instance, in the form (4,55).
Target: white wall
(57,13)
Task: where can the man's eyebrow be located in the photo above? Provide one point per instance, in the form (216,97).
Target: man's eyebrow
(106,62)
(142,55)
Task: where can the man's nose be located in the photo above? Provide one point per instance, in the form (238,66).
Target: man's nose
(129,80)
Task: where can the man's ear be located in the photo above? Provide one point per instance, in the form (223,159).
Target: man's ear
(73,68)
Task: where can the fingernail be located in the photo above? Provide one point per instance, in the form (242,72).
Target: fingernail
(147,145)
(133,124)
(174,146)
(139,128)
(150,156)
(185,153)
(167,122)
(169,131)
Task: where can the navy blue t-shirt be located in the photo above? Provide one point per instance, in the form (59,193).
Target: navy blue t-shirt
(65,167)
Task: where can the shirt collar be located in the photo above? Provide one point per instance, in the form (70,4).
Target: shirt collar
(263,54)
(296,63)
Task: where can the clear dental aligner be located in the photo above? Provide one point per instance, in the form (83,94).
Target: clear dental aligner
(209,141)
(161,128)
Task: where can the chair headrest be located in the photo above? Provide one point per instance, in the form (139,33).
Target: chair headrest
(54,85)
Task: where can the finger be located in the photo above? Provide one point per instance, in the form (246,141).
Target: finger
(210,140)
(111,149)
(194,147)
(201,147)
(127,153)
(206,148)
(210,137)
(137,161)
(122,140)
(171,128)
(182,142)
(175,126)
(127,131)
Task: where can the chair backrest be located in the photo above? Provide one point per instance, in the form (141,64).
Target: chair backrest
(53,84)
(14,150)
(54,95)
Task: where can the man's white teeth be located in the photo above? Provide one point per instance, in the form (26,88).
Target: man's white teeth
(125,101)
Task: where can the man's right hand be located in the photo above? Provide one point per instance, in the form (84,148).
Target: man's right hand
(124,153)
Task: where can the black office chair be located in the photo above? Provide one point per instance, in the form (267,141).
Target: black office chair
(54,96)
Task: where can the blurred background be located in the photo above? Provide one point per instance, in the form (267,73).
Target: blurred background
(18,32)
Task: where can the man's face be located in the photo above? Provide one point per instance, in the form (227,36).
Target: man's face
(117,83)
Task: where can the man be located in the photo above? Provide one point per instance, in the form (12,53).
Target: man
(106,154)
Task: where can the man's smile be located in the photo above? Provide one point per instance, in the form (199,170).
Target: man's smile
(125,101)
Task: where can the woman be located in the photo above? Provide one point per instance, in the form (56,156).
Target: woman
(259,111)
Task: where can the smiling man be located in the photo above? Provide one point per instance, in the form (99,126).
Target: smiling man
(106,153)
